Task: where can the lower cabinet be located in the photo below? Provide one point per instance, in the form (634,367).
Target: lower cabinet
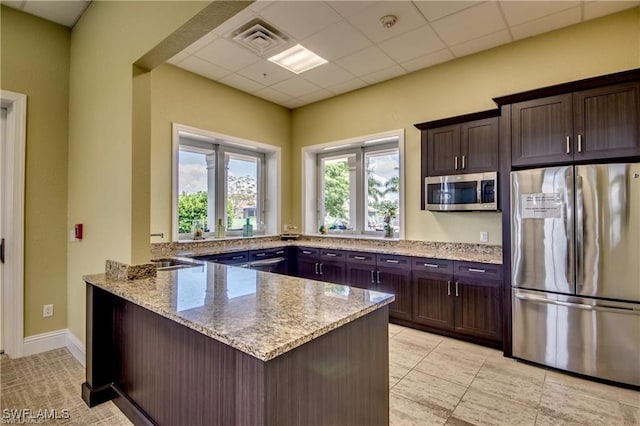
(321,264)
(459,297)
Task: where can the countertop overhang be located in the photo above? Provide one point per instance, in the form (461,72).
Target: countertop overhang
(259,313)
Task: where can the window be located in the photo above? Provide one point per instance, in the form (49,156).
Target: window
(222,181)
(358,186)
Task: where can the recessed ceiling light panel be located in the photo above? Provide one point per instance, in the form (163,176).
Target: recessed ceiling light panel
(298,59)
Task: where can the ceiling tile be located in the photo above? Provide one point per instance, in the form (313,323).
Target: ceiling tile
(230,25)
(385,74)
(272,95)
(597,9)
(482,43)
(300,19)
(176,59)
(347,86)
(295,87)
(429,60)
(242,83)
(294,103)
(336,41)
(434,10)
(415,43)
(258,5)
(204,68)
(365,61)
(349,8)
(228,54)
(368,21)
(523,11)
(469,24)
(316,96)
(62,12)
(200,43)
(265,72)
(548,23)
(326,75)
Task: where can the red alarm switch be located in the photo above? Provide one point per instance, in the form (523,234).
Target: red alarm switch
(78,231)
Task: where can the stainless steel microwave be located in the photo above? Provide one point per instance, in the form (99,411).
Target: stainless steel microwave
(466,192)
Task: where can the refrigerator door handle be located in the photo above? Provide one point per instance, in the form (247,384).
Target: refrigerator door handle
(579,233)
(583,306)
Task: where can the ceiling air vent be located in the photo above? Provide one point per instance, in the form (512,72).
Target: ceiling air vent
(260,37)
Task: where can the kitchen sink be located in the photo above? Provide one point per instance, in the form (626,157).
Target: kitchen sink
(175,263)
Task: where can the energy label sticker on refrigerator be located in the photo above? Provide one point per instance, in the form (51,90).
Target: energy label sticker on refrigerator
(541,205)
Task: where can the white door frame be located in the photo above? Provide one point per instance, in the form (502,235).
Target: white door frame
(13,216)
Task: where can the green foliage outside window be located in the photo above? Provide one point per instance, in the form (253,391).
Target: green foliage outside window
(191,207)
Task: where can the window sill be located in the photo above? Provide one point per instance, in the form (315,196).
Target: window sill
(353,236)
(227,238)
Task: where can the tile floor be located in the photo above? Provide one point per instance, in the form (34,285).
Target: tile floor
(434,380)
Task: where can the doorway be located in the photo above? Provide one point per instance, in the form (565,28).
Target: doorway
(13,110)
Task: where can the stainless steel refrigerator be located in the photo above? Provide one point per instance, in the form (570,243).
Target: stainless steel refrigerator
(575,246)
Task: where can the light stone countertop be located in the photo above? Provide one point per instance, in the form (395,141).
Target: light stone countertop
(440,250)
(259,313)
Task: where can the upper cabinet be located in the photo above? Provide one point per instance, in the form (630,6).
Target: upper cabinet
(593,119)
(463,148)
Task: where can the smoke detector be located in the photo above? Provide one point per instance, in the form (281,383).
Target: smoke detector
(388,21)
(259,37)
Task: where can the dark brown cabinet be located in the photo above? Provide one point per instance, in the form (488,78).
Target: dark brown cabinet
(591,124)
(321,264)
(385,273)
(459,297)
(469,147)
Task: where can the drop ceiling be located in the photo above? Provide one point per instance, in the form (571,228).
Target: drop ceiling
(360,51)
(363,52)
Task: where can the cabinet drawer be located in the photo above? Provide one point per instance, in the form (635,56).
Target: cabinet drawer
(435,266)
(267,253)
(328,255)
(362,258)
(226,258)
(483,271)
(393,261)
(308,252)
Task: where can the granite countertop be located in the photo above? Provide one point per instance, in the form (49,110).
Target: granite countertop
(259,313)
(441,250)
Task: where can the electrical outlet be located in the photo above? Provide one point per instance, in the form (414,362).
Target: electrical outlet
(484,236)
(47,311)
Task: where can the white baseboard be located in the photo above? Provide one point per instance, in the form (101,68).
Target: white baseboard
(44,342)
(76,347)
(54,340)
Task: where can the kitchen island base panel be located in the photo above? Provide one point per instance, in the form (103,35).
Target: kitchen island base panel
(170,374)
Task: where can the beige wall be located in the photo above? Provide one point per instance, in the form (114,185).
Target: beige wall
(462,86)
(35,62)
(107,40)
(185,98)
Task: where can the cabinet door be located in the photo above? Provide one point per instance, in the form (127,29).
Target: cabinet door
(331,272)
(606,122)
(396,281)
(360,270)
(308,268)
(542,131)
(479,145)
(478,309)
(433,300)
(443,151)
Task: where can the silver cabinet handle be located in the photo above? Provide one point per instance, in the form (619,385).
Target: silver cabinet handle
(449,288)
(568,144)
(378,277)
(482,271)
(464,157)
(457,288)
(237,257)
(331,254)
(373,280)
(359,257)
(260,254)
(280,252)
(455,162)
(431,265)
(392,261)
(316,268)
(579,143)
(321,269)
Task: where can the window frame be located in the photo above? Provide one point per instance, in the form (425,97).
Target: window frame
(312,193)
(268,178)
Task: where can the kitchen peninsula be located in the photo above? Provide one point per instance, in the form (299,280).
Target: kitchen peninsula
(217,344)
